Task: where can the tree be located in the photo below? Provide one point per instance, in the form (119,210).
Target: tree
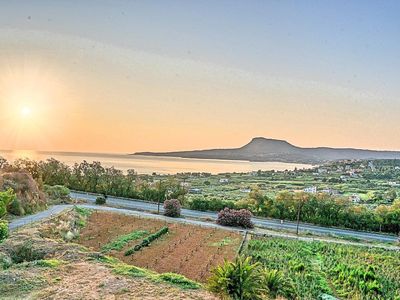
(301,199)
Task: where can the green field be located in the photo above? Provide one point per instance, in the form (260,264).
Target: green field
(342,271)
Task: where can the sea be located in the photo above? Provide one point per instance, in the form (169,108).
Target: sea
(154,164)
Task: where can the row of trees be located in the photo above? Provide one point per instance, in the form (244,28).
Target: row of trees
(323,209)
(93,177)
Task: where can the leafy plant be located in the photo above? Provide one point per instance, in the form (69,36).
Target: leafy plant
(178,280)
(100,200)
(123,240)
(84,212)
(277,283)
(146,241)
(3,230)
(238,280)
(6,197)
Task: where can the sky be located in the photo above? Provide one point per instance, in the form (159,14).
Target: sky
(126,76)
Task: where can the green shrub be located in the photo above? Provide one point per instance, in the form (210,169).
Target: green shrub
(240,279)
(3,230)
(59,193)
(25,252)
(101,200)
(16,208)
(6,198)
(277,284)
(146,241)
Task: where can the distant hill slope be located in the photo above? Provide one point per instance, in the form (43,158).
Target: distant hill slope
(263,149)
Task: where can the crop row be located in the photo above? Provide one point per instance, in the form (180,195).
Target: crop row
(146,241)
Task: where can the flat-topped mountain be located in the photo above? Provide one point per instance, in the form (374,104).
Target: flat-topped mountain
(263,149)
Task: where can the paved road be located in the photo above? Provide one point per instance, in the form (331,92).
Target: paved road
(56,209)
(259,222)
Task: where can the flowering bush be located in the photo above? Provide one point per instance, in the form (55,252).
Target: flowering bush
(233,217)
(172,208)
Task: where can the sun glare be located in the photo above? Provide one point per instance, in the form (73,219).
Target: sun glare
(26,111)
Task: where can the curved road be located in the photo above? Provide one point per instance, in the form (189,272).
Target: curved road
(259,222)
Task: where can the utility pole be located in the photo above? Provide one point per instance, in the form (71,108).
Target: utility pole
(158,205)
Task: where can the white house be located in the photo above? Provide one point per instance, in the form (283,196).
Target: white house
(224,180)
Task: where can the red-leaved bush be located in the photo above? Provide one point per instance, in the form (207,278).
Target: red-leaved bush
(172,208)
(234,217)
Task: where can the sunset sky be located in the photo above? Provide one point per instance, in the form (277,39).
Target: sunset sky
(126,76)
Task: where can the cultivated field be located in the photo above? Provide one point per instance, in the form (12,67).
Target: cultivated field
(344,271)
(186,249)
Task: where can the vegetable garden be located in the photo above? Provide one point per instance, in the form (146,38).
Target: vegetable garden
(343,271)
(158,245)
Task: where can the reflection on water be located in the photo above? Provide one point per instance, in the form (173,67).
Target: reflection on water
(150,164)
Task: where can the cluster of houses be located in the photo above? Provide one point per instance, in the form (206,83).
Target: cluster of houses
(313,190)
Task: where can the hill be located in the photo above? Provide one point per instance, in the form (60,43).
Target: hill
(262,149)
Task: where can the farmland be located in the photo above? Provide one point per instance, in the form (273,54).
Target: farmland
(189,250)
(343,271)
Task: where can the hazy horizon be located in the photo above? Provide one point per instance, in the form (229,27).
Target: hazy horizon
(124,76)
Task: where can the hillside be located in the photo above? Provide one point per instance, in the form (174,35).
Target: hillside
(262,149)
(29,197)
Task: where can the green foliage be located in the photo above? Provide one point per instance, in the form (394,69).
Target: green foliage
(236,280)
(101,200)
(146,241)
(277,283)
(41,263)
(179,280)
(214,204)
(129,270)
(313,269)
(3,230)
(84,212)
(6,197)
(25,252)
(49,263)
(57,193)
(16,208)
(123,240)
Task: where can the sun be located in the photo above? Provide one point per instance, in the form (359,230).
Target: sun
(26,111)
